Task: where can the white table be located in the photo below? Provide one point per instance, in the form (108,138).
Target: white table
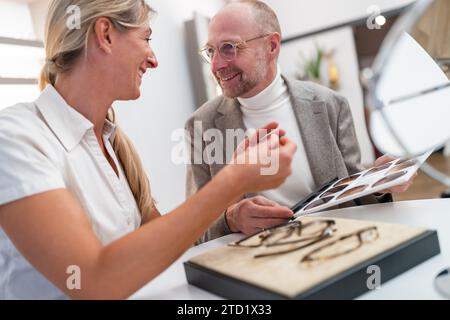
(416,283)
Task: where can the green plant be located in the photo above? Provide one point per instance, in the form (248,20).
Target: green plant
(312,67)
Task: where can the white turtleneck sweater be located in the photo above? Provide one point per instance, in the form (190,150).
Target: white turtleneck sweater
(274,104)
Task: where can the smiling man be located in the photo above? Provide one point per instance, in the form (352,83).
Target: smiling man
(243,47)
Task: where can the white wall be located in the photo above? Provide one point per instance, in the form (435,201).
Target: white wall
(301,16)
(17,61)
(15,20)
(38,11)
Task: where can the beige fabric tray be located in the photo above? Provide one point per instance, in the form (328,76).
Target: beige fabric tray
(285,274)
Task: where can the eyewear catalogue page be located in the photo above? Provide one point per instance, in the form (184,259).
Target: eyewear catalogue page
(361,184)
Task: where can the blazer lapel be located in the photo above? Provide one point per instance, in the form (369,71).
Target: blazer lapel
(315,132)
(230,117)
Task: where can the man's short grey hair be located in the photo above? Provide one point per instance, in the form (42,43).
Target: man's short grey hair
(265,17)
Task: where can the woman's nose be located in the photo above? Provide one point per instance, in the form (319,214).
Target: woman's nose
(152,61)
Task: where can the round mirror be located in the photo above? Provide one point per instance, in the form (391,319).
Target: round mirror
(442,283)
(408,84)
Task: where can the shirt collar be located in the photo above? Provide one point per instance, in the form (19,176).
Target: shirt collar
(67,124)
(109,131)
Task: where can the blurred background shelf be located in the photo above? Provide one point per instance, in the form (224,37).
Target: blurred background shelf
(21,42)
(18,81)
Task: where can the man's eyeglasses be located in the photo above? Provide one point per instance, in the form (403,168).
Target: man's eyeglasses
(312,232)
(290,233)
(228,50)
(342,245)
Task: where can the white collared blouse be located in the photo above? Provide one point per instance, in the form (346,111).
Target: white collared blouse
(47,145)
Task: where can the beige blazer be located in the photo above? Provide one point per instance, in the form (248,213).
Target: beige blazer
(326,126)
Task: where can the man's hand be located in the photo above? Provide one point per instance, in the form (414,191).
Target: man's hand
(395,189)
(251,215)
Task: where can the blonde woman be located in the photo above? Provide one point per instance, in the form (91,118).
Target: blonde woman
(73,194)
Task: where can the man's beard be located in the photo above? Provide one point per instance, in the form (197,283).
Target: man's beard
(247,81)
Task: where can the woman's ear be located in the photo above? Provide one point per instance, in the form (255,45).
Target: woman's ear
(103,30)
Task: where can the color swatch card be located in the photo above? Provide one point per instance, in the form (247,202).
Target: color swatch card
(373,180)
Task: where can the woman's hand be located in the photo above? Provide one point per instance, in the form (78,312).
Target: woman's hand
(263,161)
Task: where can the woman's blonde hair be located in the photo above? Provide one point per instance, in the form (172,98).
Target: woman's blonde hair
(64,44)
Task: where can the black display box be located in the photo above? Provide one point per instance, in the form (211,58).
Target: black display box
(346,285)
